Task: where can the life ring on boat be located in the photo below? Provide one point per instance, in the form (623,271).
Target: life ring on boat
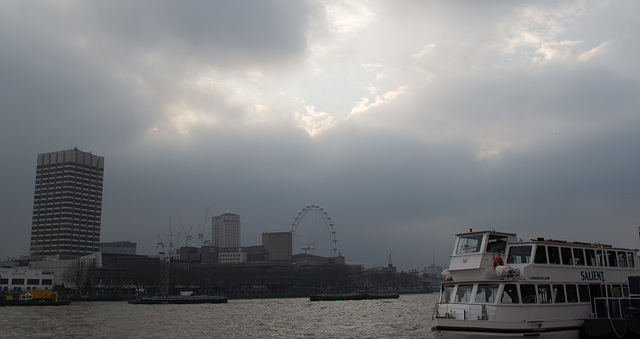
(498,261)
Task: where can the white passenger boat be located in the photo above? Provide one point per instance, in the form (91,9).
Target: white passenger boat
(542,287)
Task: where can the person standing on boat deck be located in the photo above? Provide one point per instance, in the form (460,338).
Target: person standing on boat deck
(498,261)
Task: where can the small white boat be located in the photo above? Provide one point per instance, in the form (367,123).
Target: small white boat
(499,286)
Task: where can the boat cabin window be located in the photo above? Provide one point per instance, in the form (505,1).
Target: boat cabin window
(634,284)
(600,258)
(469,244)
(603,290)
(541,255)
(487,293)
(567,258)
(583,292)
(510,294)
(554,255)
(447,293)
(572,293)
(613,262)
(463,294)
(590,256)
(544,294)
(578,256)
(615,291)
(519,255)
(622,259)
(496,243)
(630,262)
(558,293)
(528,292)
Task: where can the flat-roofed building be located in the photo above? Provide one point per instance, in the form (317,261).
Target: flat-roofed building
(67,204)
(225,230)
(277,245)
(13,280)
(119,247)
(232,255)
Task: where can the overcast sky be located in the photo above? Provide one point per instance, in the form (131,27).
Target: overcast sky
(407,121)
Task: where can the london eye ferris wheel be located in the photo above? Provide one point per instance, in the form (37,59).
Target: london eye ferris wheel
(312,232)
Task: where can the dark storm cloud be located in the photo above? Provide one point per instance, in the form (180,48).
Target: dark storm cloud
(98,75)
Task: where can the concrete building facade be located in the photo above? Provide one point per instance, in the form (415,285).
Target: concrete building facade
(67,205)
(209,255)
(21,279)
(232,255)
(225,230)
(277,246)
(119,247)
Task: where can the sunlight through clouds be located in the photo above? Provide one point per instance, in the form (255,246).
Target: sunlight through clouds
(531,28)
(348,16)
(314,122)
(598,50)
(365,104)
(556,51)
(183,118)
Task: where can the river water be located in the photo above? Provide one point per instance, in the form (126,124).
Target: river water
(406,317)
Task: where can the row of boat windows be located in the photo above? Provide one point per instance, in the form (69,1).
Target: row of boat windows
(529,293)
(570,256)
(473,243)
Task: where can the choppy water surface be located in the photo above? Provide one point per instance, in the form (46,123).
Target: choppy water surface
(406,317)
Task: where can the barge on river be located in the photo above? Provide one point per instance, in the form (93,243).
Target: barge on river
(182,299)
(33,298)
(352,296)
(499,286)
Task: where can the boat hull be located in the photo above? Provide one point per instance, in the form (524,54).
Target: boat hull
(352,296)
(37,303)
(611,328)
(180,300)
(451,328)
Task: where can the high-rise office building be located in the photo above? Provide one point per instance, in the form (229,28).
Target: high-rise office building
(67,204)
(226,237)
(226,230)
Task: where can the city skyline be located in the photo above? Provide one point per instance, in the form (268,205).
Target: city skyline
(407,121)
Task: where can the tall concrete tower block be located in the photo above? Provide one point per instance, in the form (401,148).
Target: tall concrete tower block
(225,230)
(67,204)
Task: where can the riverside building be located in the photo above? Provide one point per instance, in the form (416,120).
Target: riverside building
(225,236)
(67,204)
(226,230)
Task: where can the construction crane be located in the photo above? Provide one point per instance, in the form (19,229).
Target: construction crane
(201,233)
(162,242)
(187,234)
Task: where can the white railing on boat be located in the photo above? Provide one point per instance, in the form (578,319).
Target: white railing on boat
(461,311)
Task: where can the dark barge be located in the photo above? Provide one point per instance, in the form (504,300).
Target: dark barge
(352,296)
(200,299)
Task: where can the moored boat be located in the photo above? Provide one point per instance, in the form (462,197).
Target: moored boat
(188,299)
(352,296)
(497,285)
(34,298)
